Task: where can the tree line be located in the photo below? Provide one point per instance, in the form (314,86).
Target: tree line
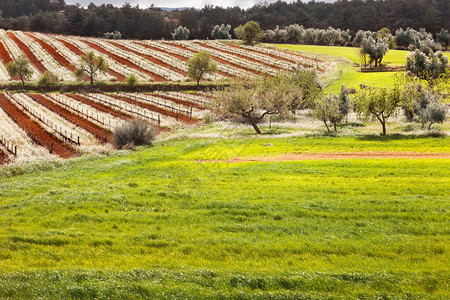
(153,23)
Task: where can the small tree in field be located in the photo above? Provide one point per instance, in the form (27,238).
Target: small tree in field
(20,66)
(376,49)
(333,108)
(199,65)
(378,103)
(254,99)
(443,37)
(90,64)
(250,33)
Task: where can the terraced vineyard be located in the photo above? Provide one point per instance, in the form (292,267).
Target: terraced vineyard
(43,125)
(150,61)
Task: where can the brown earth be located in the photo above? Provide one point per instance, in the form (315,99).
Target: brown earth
(3,158)
(35,130)
(39,66)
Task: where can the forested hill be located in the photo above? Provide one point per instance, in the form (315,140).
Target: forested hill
(154,23)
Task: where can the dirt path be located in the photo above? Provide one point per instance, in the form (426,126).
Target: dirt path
(349,155)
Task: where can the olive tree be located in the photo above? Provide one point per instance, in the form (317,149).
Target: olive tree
(443,37)
(21,67)
(332,108)
(378,103)
(424,66)
(199,65)
(424,106)
(250,33)
(221,32)
(376,49)
(180,33)
(254,99)
(89,65)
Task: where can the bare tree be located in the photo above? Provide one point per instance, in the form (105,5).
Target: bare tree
(90,64)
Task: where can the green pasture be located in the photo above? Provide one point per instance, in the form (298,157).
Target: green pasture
(393,57)
(176,221)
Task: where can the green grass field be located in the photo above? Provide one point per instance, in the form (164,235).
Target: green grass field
(393,57)
(162,223)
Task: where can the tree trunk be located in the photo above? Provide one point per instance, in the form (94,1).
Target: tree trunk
(92,78)
(23,82)
(335,127)
(253,122)
(198,84)
(328,128)
(384,127)
(429,126)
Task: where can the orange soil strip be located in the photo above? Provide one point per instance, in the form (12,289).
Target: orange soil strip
(350,155)
(107,109)
(4,54)
(35,129)
(77,51)
(284,58)
(260,52)
(163,51)
(241,56)
(100,133)
(61,60)
(3,158)
(155,108)
(126,62)
(219,60)
(150,58)
(39,66)
(179,101)
(101,107)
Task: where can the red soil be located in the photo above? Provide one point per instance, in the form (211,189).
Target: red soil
(219,60)
(101,107)
(39,66)
(241,56)
(35,130)
(150,58)
(163,51)
(284,58)
(176,55)
(3,158)
(125,61)
(99,132)
(157,109)
(61,60)
(179,101)
(4,54)
(77,51)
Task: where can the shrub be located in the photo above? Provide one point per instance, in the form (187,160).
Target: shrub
(134,133)
(132,80)
(47,79)
(250,33)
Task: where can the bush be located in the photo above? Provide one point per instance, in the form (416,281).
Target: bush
(424,66)
(47,79)
(131,80)
(134,133)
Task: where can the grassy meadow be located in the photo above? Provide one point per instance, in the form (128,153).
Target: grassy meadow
(177,221)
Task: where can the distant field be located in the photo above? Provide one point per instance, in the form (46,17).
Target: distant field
(160,223)
(352,78)
(393,57)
